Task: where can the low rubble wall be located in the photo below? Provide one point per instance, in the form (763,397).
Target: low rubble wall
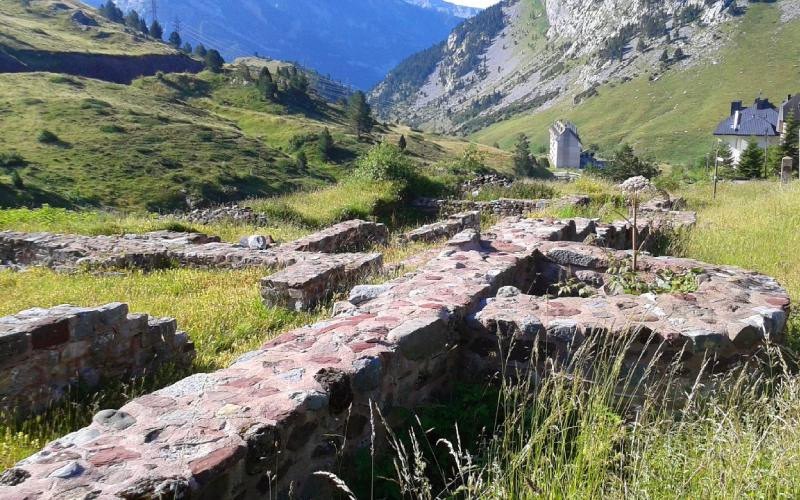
(225,214)
(350,236)
(310,269)
(45,351)
(264,425)
(304,285)
(447,228)
(502,207)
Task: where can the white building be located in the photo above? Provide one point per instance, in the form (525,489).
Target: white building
(565,145)
(757,123)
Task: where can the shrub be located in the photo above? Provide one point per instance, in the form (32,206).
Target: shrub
(385,162)
(297,141)
(16,180)
(11,159)
(626,164)
(47,137)
(112,129)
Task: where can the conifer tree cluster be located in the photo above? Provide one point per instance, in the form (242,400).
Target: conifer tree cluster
(212,58)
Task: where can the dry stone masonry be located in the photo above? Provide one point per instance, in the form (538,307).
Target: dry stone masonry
(311,268)
(500,207)
(350,236)
(264,425)
(45,351)
(447,228)
(226,214)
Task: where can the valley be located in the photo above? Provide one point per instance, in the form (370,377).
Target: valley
(522,265)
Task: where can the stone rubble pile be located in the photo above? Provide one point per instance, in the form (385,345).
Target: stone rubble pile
(226,214)
(44,352)
(446,228)
(481,181)
(264,425)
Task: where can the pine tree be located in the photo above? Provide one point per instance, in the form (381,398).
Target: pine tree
(214,61)
(187,48)
(132,20)
(325,144)
(143,26)
(359,114)
(640,46)
(401,143)
(789,143)
(774,159)
(200,50)
(266,85)
(156,31)
(751,164)
(523,161)
(664,56)
(724,160)
(678,54)
(110,11)
(175,39)
(626,164)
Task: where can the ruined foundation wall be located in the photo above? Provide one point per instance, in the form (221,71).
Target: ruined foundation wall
(45,351)
(279,414)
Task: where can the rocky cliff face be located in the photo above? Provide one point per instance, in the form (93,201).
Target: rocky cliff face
(534,53)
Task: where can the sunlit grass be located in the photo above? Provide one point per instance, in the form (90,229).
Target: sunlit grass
(221,311)
(351,198)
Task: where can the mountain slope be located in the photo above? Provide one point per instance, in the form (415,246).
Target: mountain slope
(672,117)
(355,41)
(556,58)
(68,37)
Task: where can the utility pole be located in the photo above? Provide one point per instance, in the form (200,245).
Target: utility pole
(176,25)
(154,9)
(766,143)
(716,170)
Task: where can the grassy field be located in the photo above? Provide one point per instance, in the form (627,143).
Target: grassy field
(673,117)
(116,145)
(44,25)
(164,140)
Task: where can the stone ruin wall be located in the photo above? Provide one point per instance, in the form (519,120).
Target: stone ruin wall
(44,352)
(308,270)
(264,425)
(450,226)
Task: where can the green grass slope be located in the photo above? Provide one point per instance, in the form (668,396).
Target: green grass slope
(172,139)
(46,25)
(673,117)
(125,147)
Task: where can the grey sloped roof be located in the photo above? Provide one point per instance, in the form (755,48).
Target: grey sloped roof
(751,122)
(789,106)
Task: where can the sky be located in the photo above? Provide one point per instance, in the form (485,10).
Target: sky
(475,3)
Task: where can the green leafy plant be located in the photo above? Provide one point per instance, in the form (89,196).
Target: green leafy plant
(573,288)
(621,276)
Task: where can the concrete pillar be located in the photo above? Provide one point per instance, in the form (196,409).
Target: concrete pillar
(786,169)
